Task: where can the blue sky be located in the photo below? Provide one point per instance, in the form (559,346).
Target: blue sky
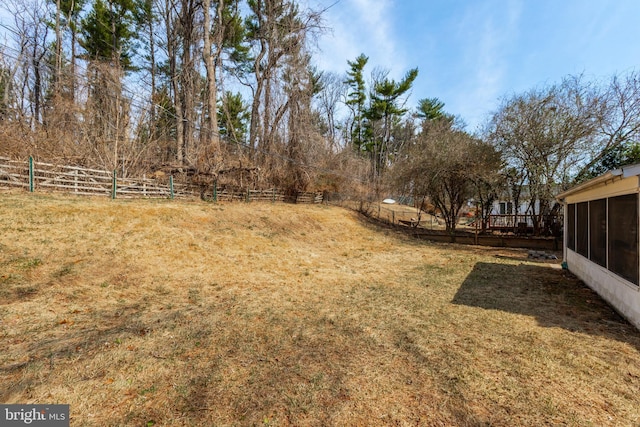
(472,53)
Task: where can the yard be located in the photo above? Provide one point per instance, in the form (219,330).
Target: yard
(190,313)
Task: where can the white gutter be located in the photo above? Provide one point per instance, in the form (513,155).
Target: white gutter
(609,176)
(631,170)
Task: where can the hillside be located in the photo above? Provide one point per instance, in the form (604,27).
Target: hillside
(142,312)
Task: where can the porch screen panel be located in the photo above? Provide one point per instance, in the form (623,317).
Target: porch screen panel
(571,226)
(623,236)
(598,231)
(582,229)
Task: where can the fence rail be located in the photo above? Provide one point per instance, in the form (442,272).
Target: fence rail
(72,179)
(524,224)
(510,221)
(13,173)
(268,195)
(94,182)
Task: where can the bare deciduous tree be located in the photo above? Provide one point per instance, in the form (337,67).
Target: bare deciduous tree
(332,92)
(276,29)
(547,133)
(444,164)
(618,113)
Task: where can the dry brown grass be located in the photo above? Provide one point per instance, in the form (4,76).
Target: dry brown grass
(187,313)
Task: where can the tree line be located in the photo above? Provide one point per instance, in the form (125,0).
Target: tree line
(213,86)
(134,84)
(535,145)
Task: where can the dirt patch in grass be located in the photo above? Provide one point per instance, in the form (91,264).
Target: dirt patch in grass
(188,313)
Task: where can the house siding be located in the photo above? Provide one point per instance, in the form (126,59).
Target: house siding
(621,294)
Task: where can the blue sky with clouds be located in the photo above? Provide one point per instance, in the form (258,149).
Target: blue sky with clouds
(471,53)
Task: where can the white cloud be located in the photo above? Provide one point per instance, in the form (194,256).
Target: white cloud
(360,26)
(487,36)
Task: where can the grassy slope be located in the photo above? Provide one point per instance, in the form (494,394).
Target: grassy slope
(178,313)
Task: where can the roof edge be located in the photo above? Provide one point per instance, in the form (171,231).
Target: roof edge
(594,181)
(630,170)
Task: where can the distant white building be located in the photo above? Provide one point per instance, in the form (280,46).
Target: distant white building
(505,205)
(601,237)
(504,214)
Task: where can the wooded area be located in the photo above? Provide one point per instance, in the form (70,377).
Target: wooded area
(227,91)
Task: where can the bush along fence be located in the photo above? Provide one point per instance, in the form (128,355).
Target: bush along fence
(32,175)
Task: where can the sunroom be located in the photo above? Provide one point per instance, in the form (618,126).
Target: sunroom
(601,237)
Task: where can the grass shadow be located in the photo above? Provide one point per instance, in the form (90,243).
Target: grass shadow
(554,297)
(68,342)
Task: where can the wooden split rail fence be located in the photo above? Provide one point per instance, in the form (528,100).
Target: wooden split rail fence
(33,175)
(270,195)
(83,181)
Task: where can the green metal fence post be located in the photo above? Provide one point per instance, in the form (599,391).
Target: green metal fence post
(114,185)
(247,195)
(31,174)
(171,194)
(215,190)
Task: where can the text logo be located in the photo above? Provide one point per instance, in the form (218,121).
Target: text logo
(34,415)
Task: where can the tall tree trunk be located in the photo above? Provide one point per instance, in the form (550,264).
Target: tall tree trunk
(212,131)
(188,103)
(180,145)
(171,22)
(37,85)
(255,128)
(188,75)
(152,59)
(73,60)
(58,71)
